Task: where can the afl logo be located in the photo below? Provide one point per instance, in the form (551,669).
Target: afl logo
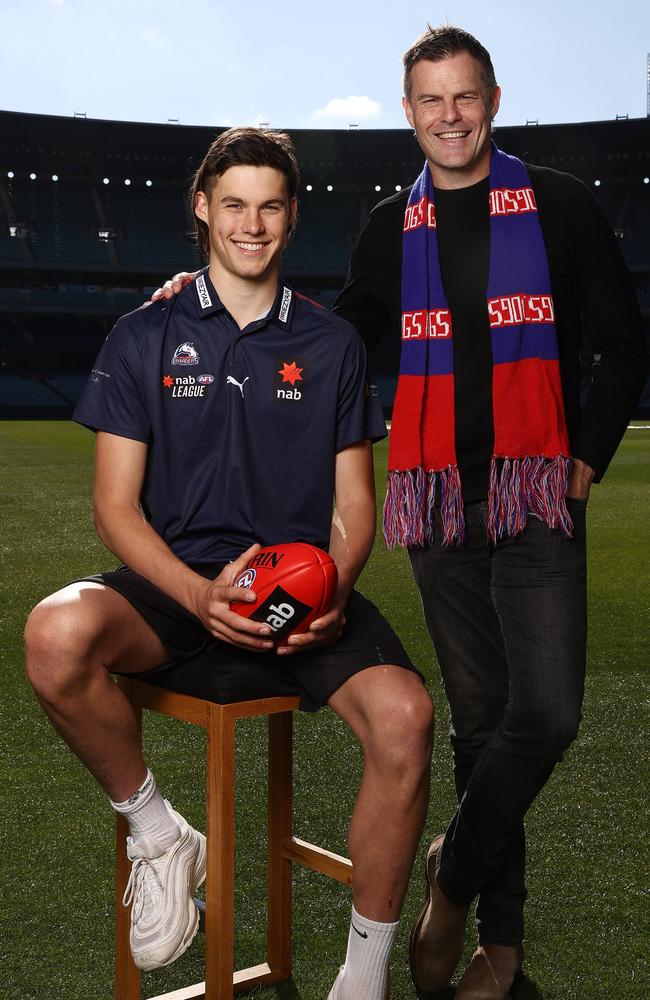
(185,354)
(205,379)
(246,579)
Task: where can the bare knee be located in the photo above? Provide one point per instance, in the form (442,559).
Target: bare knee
(402,735)
(414,727)
(57,645)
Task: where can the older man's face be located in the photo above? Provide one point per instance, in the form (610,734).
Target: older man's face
(452,117)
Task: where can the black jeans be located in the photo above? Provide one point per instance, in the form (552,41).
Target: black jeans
(508,623)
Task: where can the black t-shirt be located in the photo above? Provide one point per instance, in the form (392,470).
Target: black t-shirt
(463,230)
(593,297)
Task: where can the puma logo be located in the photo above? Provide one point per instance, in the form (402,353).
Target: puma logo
(240,385)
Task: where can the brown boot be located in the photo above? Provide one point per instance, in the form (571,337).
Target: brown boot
(493,971)
(438,935)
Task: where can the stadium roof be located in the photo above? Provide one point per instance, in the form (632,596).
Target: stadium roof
(94,146)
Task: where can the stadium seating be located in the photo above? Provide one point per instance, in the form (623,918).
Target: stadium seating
(85,252)
(25,392)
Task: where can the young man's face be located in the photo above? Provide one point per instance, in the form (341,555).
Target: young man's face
(452,117)
(248,214)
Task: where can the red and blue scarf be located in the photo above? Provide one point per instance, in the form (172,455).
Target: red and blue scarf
(529,467)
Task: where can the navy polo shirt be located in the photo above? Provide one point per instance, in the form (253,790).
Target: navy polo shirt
(242,426)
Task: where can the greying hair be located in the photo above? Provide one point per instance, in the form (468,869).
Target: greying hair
(435,44)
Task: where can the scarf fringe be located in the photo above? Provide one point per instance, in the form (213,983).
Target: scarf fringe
(409,510)
(534,486)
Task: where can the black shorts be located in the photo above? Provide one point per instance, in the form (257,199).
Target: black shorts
(206,667)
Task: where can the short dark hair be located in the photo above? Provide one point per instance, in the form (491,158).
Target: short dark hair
(255,147)
(435,44)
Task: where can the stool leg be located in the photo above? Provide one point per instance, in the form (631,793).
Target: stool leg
(220,875)
(280,784)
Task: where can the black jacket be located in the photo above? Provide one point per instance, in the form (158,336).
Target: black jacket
(594,302)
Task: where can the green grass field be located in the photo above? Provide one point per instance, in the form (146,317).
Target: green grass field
(588,844)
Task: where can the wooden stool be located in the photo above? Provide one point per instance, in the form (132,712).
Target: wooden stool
(221,981)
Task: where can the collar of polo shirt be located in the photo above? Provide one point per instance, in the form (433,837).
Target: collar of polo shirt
(208,301)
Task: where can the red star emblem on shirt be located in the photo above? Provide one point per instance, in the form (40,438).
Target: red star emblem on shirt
(168,381)
(290,372)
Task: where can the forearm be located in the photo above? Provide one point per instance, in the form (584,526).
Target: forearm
(351,539)
(124,530)
(120,465)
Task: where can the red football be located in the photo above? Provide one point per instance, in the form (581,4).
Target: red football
(294,584)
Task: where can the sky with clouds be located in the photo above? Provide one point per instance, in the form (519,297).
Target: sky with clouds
(300,65)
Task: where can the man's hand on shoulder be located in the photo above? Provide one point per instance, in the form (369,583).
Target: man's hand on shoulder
(324,631)
(581,476)
(174,285)
(212,608)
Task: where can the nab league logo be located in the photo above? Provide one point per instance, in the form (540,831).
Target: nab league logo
(186,354)
(186,385)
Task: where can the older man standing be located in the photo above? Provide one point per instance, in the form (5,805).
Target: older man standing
(494,271)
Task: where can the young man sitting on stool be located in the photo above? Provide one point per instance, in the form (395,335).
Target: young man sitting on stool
(192,429)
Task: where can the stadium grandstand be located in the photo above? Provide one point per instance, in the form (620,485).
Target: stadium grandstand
(94,215)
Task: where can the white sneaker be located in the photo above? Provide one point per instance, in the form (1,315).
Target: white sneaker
(164,919)
(334,992)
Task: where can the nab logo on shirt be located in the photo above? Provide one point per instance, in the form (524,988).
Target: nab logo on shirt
(289,383)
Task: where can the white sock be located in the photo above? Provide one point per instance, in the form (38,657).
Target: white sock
(365,974)
(148,816)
